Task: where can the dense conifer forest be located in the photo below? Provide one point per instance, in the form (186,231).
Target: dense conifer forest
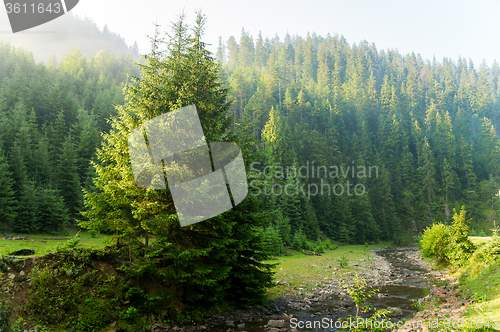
(342,144)
(406,139)
(426,128)
(51,117)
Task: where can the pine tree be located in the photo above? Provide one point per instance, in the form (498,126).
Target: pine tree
(490,145)
(27,211)
(283,225)
(214,261)
(7,199)
(67,175)
(51,214)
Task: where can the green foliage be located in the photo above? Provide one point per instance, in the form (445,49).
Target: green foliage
(68,293)
(449,244)
(272,240)
(299,240)
(49,132)
(343,261)
(460,246)
(430,130)
(435,242)
(358,291)
(70,244)
(214,262)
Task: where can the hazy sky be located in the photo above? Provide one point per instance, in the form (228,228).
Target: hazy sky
(431,28)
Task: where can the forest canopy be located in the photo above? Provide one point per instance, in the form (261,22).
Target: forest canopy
(428,128)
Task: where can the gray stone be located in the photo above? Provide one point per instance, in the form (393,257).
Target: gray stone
(395,310)
(276,323)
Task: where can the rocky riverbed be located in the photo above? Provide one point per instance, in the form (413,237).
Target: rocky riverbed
(404,281)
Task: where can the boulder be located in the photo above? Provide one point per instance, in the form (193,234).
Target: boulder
(23,252)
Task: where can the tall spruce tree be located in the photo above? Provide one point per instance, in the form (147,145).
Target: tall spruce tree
(7,200)
(217,260)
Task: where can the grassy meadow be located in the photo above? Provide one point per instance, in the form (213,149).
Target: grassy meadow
(306,271)
(41,244)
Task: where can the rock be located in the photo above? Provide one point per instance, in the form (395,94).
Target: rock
(241,326)
(12,275)
(395,310)
(23,252)
(229,323)
(276,323)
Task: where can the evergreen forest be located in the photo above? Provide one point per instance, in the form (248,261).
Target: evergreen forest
(425,129)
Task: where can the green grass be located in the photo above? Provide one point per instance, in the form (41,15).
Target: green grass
(485,290)
(43,247)
(479,240)
(307,272)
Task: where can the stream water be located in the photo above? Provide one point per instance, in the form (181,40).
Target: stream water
(406,283)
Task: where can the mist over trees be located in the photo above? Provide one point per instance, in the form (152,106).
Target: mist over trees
(429,127)
(51,41)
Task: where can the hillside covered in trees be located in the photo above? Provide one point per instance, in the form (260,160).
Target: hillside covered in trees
(427,127)
(424,129)
(51,117)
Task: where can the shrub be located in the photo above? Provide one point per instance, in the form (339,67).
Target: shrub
(327,244)
(319,247)
(70,244)
(449,244)
(435,242)
(343,261)
(489,252)
(360,294)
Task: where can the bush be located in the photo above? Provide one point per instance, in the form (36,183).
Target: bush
(70,244)
(343,261)
(449,244)
(489,252)
(435,241)
(327,244)
(319,247)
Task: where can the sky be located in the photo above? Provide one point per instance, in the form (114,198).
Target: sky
(437,28)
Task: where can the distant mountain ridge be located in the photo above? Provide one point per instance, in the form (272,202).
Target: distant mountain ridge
(57,37)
